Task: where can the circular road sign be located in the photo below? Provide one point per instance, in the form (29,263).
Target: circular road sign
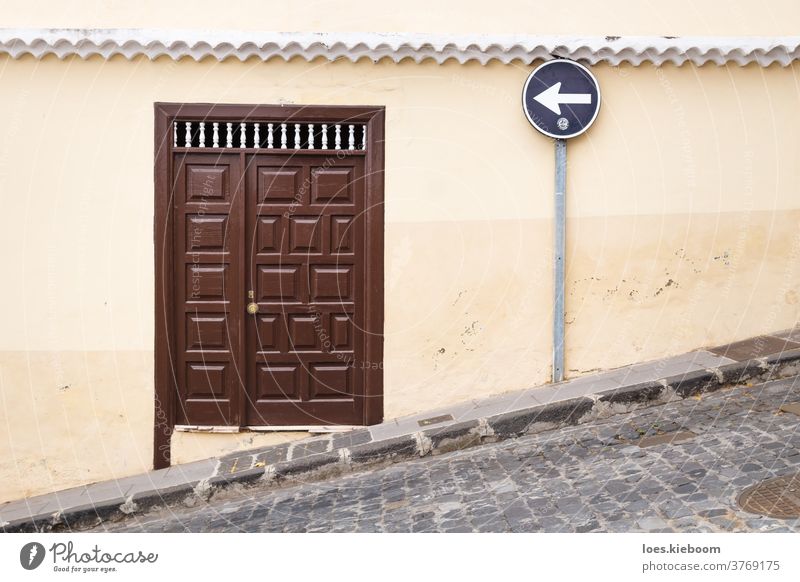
(561,98)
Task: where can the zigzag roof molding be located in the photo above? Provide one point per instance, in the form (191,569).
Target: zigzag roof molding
(243,45)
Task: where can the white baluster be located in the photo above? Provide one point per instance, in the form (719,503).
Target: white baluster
(256,135)
(269,135)
(337,141)
(297,136)
(364,138)
(229,136)
(202,134)
(283,136)
(242,136)
(351,138)
(324,136)
(215,134)
(188,136)
(311,136)
(175,134)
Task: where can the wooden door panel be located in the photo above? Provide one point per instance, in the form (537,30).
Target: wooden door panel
(208,247)
(294,236)
(306,271)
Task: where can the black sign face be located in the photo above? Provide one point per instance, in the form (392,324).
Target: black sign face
(561,98)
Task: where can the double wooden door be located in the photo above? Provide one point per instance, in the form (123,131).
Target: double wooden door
(270,288)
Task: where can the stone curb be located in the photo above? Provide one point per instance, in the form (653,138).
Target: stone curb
(304,464)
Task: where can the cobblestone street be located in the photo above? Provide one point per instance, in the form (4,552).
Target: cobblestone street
(592,477)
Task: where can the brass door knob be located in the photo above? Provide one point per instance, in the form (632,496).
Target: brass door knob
(252,308)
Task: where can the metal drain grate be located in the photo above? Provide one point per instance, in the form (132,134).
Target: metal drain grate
(778,497)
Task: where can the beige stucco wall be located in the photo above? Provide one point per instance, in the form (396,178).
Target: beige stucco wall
(585,17)
(683,232)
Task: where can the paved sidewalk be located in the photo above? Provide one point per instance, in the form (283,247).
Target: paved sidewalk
(455,427)
(604,476)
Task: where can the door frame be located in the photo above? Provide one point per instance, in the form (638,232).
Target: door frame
(165,115)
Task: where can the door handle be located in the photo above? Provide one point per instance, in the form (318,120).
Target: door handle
(252,307)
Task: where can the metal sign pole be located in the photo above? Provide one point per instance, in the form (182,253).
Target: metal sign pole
(559,251)
(553,84)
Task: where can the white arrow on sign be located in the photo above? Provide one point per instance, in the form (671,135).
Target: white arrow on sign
(552,99)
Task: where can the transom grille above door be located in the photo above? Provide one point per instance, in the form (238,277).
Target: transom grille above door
(269,267)
(286,135)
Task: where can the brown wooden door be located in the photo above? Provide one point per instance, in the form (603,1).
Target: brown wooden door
(290,232)
(305,270)
(286,202)
(209,275)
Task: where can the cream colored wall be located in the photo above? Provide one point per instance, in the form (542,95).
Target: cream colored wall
(579,17)
(683,231)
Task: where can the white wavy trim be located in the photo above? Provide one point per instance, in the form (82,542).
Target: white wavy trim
(242,45)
